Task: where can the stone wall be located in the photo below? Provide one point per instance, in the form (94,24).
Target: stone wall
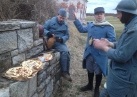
(20,41)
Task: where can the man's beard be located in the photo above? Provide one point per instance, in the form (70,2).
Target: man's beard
(126,17)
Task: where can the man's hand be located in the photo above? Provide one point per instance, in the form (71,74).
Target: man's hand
(110,44)
(74,14)
(59,39)
(101,44)
(50,35)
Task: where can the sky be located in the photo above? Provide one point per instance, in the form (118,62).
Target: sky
(109,5)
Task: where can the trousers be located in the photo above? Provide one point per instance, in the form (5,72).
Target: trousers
(65,61)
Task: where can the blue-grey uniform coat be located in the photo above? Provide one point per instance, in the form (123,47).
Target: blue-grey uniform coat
(59,30)
(122,76)
(98,32)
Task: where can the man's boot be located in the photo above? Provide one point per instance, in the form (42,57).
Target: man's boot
(65,63)
(89,86)
(98,82)
(66,76)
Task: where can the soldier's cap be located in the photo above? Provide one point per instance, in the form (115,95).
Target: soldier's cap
(62,12)
(99,10)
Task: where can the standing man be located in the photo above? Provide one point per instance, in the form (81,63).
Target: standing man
(58,29)
(122,76)
(94,60)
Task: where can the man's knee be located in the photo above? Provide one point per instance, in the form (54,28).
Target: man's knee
(65,53)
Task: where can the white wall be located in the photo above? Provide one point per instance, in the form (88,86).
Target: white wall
(79,6)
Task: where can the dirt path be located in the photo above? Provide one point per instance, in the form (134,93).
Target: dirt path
(79,76)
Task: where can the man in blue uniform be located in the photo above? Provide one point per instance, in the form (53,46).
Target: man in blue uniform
(122,76)
(94,60)
(58,29)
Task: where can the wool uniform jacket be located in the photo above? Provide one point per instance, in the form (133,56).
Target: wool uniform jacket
(59,30)
(98,32)
(122,78)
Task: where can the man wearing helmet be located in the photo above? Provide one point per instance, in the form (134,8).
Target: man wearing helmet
(122,77)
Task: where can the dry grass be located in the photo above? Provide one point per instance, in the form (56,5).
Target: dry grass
(76,45)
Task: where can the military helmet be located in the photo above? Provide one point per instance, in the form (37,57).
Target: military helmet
(129,6)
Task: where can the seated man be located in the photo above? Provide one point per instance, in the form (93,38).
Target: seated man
(57,29)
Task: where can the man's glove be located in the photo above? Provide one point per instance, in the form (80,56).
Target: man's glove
(49,35)
(59,39)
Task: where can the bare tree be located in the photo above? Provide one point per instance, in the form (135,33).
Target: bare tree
(37,10)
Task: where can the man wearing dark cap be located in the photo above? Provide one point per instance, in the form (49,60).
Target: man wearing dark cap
(57,28)
(99,10)
(94,60)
